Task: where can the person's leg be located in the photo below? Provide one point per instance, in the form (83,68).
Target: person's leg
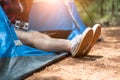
(43,41)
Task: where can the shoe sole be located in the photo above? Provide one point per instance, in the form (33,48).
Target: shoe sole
(96,35)
(85,40)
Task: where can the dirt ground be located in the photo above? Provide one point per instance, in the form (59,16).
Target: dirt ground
(102,63)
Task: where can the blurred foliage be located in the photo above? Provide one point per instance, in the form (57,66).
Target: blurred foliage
(106,12)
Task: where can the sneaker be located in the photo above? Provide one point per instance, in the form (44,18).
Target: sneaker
(81,42)
(96,34)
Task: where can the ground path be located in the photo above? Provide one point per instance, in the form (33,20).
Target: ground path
(103,62)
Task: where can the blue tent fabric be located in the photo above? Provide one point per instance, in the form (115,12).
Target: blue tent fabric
(17,61)
(50,16)
(77,17)
(82,26)
(46,16)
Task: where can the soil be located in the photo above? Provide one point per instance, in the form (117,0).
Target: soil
(102,63)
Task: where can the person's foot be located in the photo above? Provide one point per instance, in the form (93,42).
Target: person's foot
(81,42)
(96,34)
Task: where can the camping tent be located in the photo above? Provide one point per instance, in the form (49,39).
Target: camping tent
(55,16)
(52,15)
(18,60)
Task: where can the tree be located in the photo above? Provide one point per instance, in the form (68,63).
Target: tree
(102,8)
(113,8)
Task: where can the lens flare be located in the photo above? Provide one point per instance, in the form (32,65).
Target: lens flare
(52,1)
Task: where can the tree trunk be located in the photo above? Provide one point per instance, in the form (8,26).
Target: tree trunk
(102,8)
(113,8)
